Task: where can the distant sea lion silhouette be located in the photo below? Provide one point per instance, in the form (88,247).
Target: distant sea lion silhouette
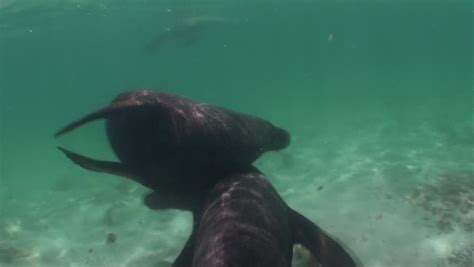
(186,32)
(171,143)
(243,222)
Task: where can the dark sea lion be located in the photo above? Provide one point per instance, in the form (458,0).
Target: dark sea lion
(177,147)
(243,222)
(171,143)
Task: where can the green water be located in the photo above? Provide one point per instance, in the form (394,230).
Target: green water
(378,97)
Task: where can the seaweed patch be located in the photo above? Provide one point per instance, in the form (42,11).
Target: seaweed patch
(449,200)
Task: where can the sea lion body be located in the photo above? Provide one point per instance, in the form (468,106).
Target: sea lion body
(244,222)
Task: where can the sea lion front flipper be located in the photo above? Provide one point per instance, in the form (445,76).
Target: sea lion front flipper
(99,114)
(162,200)
(328,251)
(157,200)
(165,200)
(110,167)
(185,257)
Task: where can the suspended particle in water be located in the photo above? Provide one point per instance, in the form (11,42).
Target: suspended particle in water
(13,227)
(330,37)
(111,238)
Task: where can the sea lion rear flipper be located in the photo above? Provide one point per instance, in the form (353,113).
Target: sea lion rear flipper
(328,251)
(110,167)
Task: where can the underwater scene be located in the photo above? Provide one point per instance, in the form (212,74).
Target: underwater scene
(376,96)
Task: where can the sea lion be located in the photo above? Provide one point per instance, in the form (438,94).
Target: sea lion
(187,31)
(171,143)
(243,222)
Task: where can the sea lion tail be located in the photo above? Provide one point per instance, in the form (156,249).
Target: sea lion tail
(327,250)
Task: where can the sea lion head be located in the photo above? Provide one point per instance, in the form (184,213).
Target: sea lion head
(278,139)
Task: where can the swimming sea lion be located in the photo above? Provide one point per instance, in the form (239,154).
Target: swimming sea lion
(187,31)
(171,143)
(243,222)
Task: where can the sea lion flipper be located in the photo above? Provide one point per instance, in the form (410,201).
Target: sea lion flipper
(124,102)
(185,257)
(328,251)
(161,199)
(110,167)
(103,113)
(157,200)
(99,114)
